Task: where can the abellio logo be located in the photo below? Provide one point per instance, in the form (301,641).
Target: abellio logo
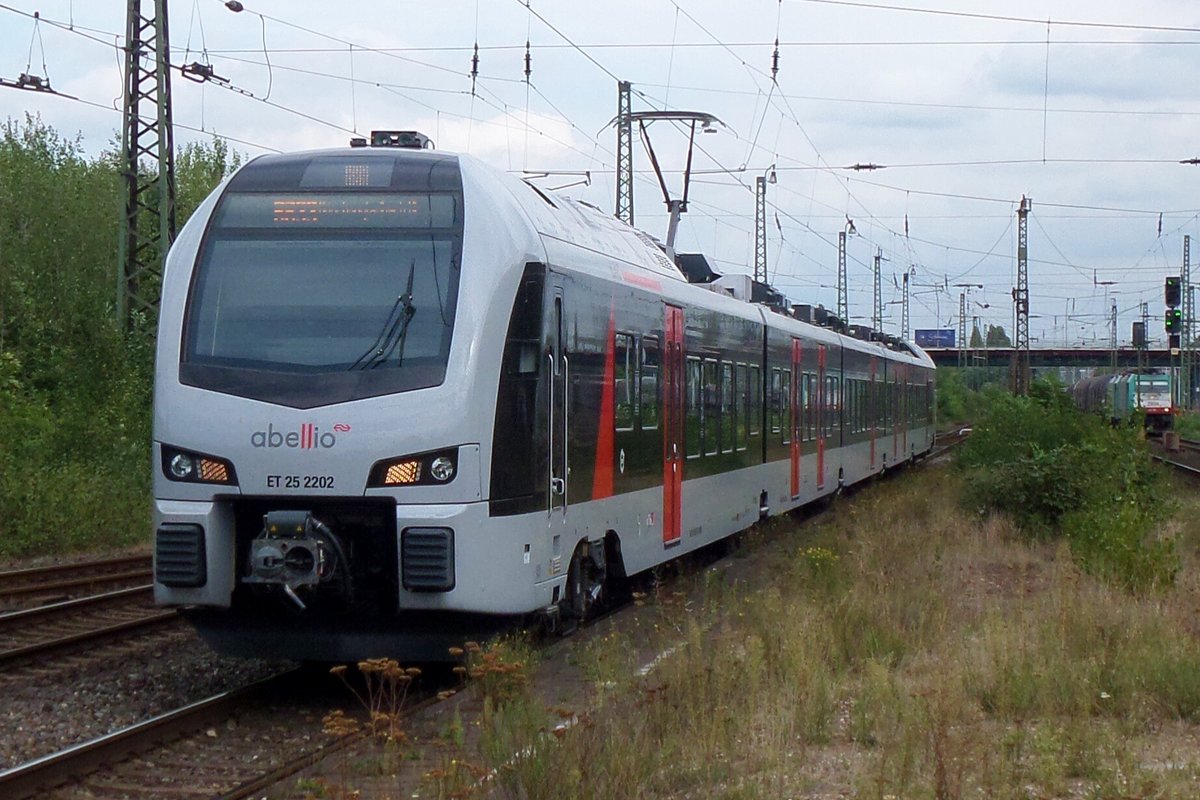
(308,437)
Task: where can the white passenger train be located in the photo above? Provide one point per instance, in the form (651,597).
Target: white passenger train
(401,396)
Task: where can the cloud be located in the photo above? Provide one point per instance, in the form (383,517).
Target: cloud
(1110,74)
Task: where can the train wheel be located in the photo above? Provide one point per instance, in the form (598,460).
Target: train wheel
(586,581)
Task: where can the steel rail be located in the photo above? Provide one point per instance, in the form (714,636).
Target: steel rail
(37,573)
(36,777)
(26,614)
(72,583)
(1178,465)
(72,640)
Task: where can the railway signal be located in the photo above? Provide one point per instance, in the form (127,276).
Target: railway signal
(1174,320)
(1171,291)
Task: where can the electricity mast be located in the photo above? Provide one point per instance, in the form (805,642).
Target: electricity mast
(1020,357)
(147,163)
(624,126)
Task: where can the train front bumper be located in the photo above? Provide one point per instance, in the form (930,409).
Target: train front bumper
(449,557)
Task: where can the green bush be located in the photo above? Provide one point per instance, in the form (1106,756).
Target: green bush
(1188,425)
(963,394)
(1115,541)
(1058,472)
(75,391)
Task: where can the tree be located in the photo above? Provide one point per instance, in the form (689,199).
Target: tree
(74,391)
(996,337)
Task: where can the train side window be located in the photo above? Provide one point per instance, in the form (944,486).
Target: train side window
(810,404)
(623,379)
(742,398)
(818,398)
(729,415)
(856,392)
(875,404)
(710,424)
(887,406)
(648,384)
(774,398)
(835,408)
(862,405)
(835,418)
(802,403)
(822,405)
(868,406)
(891,405)
(827,416)
(694,434)
(848,405)
(785,414)
(754,392)
(896,405)
(881,403)
(851,406)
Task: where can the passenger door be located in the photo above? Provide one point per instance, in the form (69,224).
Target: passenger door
(558,403)
(797,421)
(672,419)
(823,411)
(874,412)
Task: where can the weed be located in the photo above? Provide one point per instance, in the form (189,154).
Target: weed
(498,673)
(312,788)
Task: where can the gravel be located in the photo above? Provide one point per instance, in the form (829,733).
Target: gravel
(48,707)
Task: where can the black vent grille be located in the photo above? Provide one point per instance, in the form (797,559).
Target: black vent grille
(179,556)
(427,559)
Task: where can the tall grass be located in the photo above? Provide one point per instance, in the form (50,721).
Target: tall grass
(904,648)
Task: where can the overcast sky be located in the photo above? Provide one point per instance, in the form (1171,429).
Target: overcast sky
(1085,106)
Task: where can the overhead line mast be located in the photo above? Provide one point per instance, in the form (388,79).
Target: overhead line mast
(877,302)
(624,125)
(760,228)
(1187,349)
(1020,356)
(146,133)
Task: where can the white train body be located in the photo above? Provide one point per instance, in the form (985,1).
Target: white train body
(399,393)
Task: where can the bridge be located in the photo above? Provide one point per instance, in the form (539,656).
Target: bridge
(1127,357)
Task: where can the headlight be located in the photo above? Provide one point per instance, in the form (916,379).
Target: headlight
(182,467)
(422,469)
(189,467)
(442,468)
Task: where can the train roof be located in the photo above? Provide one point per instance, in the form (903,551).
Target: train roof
(561,222)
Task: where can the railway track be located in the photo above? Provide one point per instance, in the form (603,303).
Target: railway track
(1186,459)
(26,588)
(37,633)
(230,746)
(944,442)
(1189,445)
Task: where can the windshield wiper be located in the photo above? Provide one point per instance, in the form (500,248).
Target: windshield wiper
(395,330)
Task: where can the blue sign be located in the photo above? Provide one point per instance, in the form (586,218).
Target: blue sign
(935,337)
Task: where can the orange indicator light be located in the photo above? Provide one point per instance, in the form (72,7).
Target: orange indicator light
(402,472)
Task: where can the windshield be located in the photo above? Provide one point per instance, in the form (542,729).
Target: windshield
(358,288)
